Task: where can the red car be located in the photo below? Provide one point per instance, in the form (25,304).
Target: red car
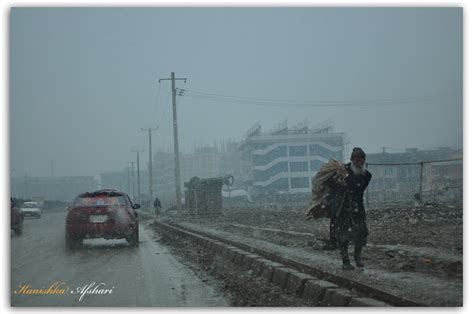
(17,217)
(105,214)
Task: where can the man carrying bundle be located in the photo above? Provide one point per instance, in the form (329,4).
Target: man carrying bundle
(338,192)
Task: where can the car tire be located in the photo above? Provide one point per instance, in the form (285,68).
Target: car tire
(73,243)
(19,230)
(133,239)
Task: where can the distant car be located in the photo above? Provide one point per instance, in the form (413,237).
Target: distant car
(31,209)
(16,220)
(107,214)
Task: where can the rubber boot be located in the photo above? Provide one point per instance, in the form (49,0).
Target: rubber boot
(346,263)
(358,256)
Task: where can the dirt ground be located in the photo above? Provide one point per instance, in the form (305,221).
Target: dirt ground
(241,288)
(428,239)
(404,240)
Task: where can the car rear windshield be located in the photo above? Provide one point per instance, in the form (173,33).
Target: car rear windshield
(29,205)
(99,200)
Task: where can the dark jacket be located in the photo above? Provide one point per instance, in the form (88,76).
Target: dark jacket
(356,186)
(347,211)
(157,203)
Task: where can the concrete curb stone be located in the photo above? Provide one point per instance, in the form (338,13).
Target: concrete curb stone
(247,260)
(296,281)
(314,290)
(338,297)
(256,265)
(268,268)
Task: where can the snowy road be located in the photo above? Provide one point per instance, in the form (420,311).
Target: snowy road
(123,276)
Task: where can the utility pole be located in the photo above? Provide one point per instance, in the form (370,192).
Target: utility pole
(150,164)
(128,178)
(138,170)
(26,186)
(383,173)
(176,149)
(133,176)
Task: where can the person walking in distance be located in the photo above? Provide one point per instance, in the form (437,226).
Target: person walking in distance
(157,206)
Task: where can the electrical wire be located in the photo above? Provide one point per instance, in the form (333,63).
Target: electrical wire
(278,103)
(295,104)
(306,102)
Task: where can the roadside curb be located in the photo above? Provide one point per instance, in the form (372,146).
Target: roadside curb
(316,291)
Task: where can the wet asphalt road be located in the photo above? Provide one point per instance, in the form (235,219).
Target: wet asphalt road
(145,276)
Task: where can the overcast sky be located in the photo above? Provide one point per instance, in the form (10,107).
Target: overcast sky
(83,82)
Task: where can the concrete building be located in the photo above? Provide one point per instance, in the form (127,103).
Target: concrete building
(400,182)
(285,160)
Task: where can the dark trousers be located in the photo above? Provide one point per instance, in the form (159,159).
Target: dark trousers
(345,229)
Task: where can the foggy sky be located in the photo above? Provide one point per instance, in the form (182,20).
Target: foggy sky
(84,81)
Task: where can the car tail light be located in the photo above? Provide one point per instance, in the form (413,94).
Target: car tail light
(76,216)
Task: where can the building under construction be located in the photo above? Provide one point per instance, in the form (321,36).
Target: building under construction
(285,159)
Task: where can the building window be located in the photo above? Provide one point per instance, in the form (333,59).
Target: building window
(298,166)
(298,151)
(280,184)
(277,152)
(264,175)
(260,145)
(315,165)
(298,183)
(318,150)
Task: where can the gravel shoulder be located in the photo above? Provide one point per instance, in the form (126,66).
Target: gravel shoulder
(413,253)
(240,288)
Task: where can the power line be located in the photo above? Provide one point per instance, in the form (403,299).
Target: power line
(266,99)
(221,100)
(280,103)
(414,163)
(188,92)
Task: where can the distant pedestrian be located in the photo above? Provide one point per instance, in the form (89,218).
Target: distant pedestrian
(417,198)
(157,206)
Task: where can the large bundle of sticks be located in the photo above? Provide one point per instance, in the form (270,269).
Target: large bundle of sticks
(320,205)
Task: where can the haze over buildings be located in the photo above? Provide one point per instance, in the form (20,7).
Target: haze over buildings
(84,81)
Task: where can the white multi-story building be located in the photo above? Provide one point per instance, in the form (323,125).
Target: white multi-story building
(285,160)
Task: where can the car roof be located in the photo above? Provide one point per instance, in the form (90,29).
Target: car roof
(107,192)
